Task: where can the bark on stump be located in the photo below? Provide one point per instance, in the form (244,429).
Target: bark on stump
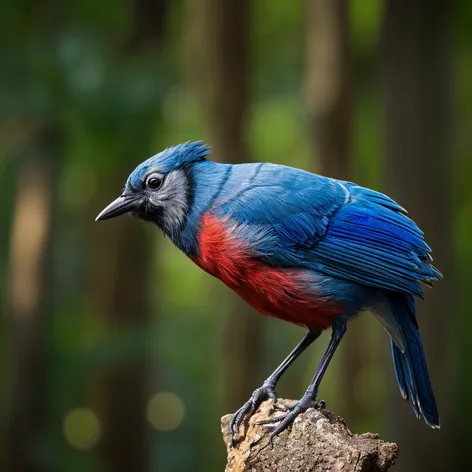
(318,441)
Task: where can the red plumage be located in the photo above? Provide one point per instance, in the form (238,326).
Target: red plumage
(285,293)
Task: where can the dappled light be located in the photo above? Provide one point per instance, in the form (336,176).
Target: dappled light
(165,411)
(82,428)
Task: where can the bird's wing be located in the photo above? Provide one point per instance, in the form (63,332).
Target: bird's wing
(293,218)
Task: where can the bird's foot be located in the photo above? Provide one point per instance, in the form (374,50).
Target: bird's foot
(267,390)
(281,422)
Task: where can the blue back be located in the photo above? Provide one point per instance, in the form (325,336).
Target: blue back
(292,218)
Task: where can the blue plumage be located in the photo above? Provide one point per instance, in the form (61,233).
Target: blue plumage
(410,365)
(329,226)
(349,247)
(170,159)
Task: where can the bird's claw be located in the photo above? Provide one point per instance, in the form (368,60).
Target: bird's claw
(250,407)
(278,406)
(256,451)
(283,421)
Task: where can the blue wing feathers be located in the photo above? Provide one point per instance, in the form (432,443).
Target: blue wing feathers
(296,204)
(334,227)
(374,196)
(376,246)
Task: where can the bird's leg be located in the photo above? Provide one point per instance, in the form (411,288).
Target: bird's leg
(267,389)
(309,397)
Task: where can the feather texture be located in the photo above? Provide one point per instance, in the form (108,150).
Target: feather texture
(333,227)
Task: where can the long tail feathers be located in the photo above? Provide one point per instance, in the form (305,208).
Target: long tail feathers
(410,366)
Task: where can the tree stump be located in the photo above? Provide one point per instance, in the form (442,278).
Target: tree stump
(318,441)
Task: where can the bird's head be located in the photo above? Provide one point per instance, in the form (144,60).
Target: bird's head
(160,188)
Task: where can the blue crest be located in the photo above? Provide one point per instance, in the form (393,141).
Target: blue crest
(169,159)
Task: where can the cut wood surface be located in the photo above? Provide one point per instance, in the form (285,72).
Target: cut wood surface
(317,441)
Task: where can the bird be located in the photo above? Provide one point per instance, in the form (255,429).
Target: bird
(304,248)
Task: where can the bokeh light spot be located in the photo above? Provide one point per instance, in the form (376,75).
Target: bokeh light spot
(165,411)
(82,428)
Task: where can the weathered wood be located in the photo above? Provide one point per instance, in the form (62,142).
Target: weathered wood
(318,441)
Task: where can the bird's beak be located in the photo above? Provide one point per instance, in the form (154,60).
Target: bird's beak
(123,204)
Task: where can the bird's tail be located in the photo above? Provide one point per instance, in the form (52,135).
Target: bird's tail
(410,366)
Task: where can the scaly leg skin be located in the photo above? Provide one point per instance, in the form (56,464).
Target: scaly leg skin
(309,397)
(267,390)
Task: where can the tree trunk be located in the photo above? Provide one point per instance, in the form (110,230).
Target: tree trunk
(121,270)
(220,69)
(417,51)
(328,85)
(119,282)
(29,303)
(148,25)
(329,103)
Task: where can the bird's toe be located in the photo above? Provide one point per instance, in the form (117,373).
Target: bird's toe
(250,407)
(281,422)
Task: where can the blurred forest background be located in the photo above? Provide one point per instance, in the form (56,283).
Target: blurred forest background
(118,354)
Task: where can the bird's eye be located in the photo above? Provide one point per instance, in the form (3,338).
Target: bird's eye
(154,181)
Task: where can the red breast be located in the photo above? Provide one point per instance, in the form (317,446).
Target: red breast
(285,293)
